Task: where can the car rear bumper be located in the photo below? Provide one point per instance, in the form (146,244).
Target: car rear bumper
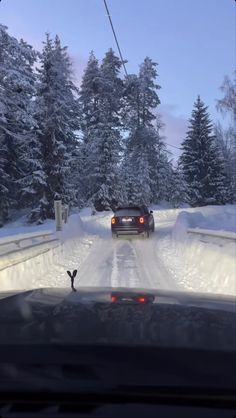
(128,231)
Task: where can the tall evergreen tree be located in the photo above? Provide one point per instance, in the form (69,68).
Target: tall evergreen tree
(201,162)
(4,177)
(89,98)
(17,87)
(57,118)
(161,166)
(107,141)
(144,146)
(101,100)
(137,170)
(34,183)
(4,183)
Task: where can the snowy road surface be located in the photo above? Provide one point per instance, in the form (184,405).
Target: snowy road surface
(124,263)
(170,259)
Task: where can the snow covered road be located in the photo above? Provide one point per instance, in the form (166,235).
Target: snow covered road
(125,263)
(122,262)
(169,260)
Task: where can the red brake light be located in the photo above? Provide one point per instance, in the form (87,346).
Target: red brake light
(113,220)
(141,299)
(141,220)
(113,298)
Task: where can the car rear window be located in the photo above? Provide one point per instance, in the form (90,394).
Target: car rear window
(128,212)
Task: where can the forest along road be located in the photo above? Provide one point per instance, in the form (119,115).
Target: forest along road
(123,262)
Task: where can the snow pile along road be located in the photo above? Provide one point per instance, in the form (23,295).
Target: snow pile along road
(49,269)
(200,263)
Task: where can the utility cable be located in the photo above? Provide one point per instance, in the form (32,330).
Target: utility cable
(114,33)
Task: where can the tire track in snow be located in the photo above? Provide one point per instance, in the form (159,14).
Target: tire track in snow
(120,263)
(110,264)
(153,272)
(125,271)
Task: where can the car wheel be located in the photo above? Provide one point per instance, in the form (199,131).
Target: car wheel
(146,234)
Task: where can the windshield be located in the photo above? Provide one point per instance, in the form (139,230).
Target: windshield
(128,105)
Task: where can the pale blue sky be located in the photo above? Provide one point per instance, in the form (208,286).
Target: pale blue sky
(193,42)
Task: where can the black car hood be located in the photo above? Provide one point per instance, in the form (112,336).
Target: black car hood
(88,316)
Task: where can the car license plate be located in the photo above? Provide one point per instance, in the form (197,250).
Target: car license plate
(126,220)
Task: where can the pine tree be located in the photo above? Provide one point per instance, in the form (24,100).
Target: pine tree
(202,165)
(223,140)
(137,169)
(4,183)
(144,144)
(89,98)
(4,177)
(17,87)
(161,167)
(34,182)
(107,143)
(57,118)
(148,96)
(141,98)
(177,187)
(101,100)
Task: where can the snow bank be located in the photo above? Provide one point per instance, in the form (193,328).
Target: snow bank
(218,218)
(208,217)
(98,223)
(203,265)
(184,221)
(49,269)
(73,228)
(215,218)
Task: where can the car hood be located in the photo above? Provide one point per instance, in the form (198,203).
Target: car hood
(88,316)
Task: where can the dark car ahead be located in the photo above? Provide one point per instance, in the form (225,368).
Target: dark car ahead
(132,220)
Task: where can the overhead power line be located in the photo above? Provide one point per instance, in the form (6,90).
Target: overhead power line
(173,146)
(114,33)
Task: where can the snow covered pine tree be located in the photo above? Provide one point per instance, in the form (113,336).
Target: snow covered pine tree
(57,119)
(100,98)
(89,98)
(201,162)
(17,87)
(146,167)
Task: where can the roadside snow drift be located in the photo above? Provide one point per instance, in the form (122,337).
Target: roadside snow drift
(49,269)
(198,262)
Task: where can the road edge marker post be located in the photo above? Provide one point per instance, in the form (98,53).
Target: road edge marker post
(58,214)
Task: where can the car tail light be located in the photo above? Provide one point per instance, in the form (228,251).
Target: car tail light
(141,299)
(130,298)
(141,220)
(113,221)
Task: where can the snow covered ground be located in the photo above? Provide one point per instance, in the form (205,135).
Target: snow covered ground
(203,264)
(171,259)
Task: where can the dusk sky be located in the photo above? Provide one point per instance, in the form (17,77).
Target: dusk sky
(193,41)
